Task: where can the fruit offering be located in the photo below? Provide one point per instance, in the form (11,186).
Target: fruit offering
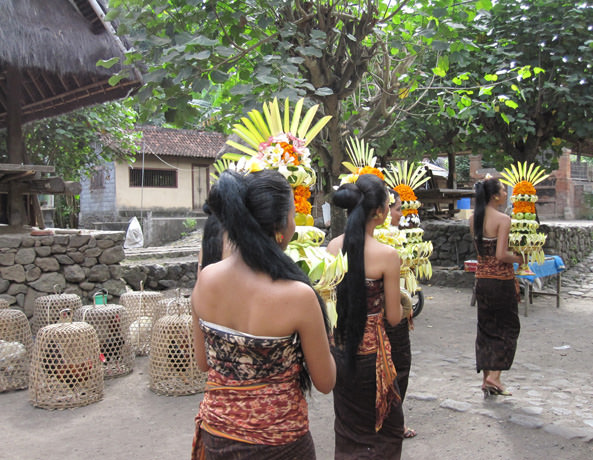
(415,253)
(524,238)
(279,141)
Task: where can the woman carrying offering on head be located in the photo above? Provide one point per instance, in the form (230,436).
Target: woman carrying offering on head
(369,419)
(399,335)
(259,329)
(496,287)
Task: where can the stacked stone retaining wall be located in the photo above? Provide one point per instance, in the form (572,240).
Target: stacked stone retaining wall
(79,263)
(84,262)
(453,245)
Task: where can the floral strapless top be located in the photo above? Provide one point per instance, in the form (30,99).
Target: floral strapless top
(240,356)
(488,265)
(375,296)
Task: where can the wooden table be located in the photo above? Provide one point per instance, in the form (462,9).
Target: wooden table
(440,196)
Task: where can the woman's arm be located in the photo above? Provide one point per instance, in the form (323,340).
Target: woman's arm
(391,287)
(199,346)
(314,341)
(502,242)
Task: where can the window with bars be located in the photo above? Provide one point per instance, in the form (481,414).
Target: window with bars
(164,178)
(98,179)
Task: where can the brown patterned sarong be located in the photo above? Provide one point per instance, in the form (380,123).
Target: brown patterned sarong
(498,317)
(375,342)
(225,449)
(253,396)
(401,353)
(369,419)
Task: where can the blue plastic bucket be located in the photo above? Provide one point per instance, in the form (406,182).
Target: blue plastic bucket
(463,203)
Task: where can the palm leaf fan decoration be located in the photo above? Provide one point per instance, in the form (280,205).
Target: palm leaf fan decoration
(515,174)
(221,165)
(402,173)
(360,155)
(258,128)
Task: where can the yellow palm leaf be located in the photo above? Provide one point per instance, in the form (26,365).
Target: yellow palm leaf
(315,129)
(307,119)
(286,115)
(242,148)
(296,116)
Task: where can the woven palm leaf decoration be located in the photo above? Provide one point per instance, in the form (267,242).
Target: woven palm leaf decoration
(523,237)
(278,139)
(362,161)
(404,178)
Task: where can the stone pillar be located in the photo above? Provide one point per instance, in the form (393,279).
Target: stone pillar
(564,187)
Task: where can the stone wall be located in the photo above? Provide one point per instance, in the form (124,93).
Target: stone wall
(453,245)
(78,262)
(85,261)
(160,276)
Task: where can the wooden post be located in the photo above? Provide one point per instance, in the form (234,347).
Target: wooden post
(15,145)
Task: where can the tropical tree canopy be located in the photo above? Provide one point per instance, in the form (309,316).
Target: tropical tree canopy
(77,141)
(368,63)
(551,109)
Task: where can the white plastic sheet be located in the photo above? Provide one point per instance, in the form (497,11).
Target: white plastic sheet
(134,236)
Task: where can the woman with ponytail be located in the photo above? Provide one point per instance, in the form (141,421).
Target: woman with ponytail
(215,245)
(496,287)
(369,419)
(259,329)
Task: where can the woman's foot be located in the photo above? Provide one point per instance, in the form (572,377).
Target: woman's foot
(409,432)
(494,389)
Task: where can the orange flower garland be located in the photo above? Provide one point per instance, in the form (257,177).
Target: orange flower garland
(289,153)
(371,170)
(301,197)
(406,193)
(524,188)
(523,206)
(407,212)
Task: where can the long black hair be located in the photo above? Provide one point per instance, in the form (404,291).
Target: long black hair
(485,190)
(252,208)
(359,199)
(212,238)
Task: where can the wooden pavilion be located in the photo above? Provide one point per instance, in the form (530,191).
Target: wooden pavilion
(48,66)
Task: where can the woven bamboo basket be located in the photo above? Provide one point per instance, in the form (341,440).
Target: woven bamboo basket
(65,369)
(173,368)
(140,306)
(112,324)
(16,346)
(47,309)
(180,304)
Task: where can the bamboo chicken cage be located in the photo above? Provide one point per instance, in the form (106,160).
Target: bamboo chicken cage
(172,365)
(112,324)
(66,369)
(16,346)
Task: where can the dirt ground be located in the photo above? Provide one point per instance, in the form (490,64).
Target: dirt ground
(549,416)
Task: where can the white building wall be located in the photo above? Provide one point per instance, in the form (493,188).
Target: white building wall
(155,198)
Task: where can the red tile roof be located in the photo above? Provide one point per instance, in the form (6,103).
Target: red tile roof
(182,142)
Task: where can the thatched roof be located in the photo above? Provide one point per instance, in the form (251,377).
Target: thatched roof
(56,45)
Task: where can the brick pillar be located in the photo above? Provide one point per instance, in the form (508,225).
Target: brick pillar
(475,164)
(564,187)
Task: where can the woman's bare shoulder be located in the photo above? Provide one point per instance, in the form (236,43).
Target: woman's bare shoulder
(335,244)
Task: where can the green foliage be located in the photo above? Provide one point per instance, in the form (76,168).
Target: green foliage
(66,211)
(190,225)
(367,63)
(75,142)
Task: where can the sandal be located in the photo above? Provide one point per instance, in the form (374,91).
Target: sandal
(409,433)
